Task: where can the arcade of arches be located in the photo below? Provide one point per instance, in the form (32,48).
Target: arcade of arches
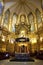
(21,26)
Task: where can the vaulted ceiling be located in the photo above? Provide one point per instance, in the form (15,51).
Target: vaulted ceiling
(14,0)
(25,6)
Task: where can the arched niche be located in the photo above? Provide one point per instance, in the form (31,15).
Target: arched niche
(6,19)
(14,21)
(31,21)
(38,18)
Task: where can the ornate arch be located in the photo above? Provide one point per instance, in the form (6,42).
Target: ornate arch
(14,21)
(31,21)
(38,17)
(6,19)
(22,27)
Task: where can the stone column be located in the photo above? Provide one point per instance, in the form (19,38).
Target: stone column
(38,43)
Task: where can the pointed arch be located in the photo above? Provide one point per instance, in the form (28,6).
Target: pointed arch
(38,18)
(14,21)
(31,21)
(6,18)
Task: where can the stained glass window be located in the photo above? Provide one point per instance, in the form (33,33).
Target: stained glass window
(38,18)
(6,18)
(31,21)
(14,22)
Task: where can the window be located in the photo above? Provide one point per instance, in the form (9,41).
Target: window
(14,22)
(6,18)
(38,18)
(31,21)
(1,8)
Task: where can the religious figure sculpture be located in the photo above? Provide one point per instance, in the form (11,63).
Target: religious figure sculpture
(22,18)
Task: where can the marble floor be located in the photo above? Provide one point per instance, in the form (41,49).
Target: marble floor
(7,62)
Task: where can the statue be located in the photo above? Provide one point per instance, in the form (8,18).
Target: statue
(22,18)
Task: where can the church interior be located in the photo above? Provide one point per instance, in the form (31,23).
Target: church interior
(21,26)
